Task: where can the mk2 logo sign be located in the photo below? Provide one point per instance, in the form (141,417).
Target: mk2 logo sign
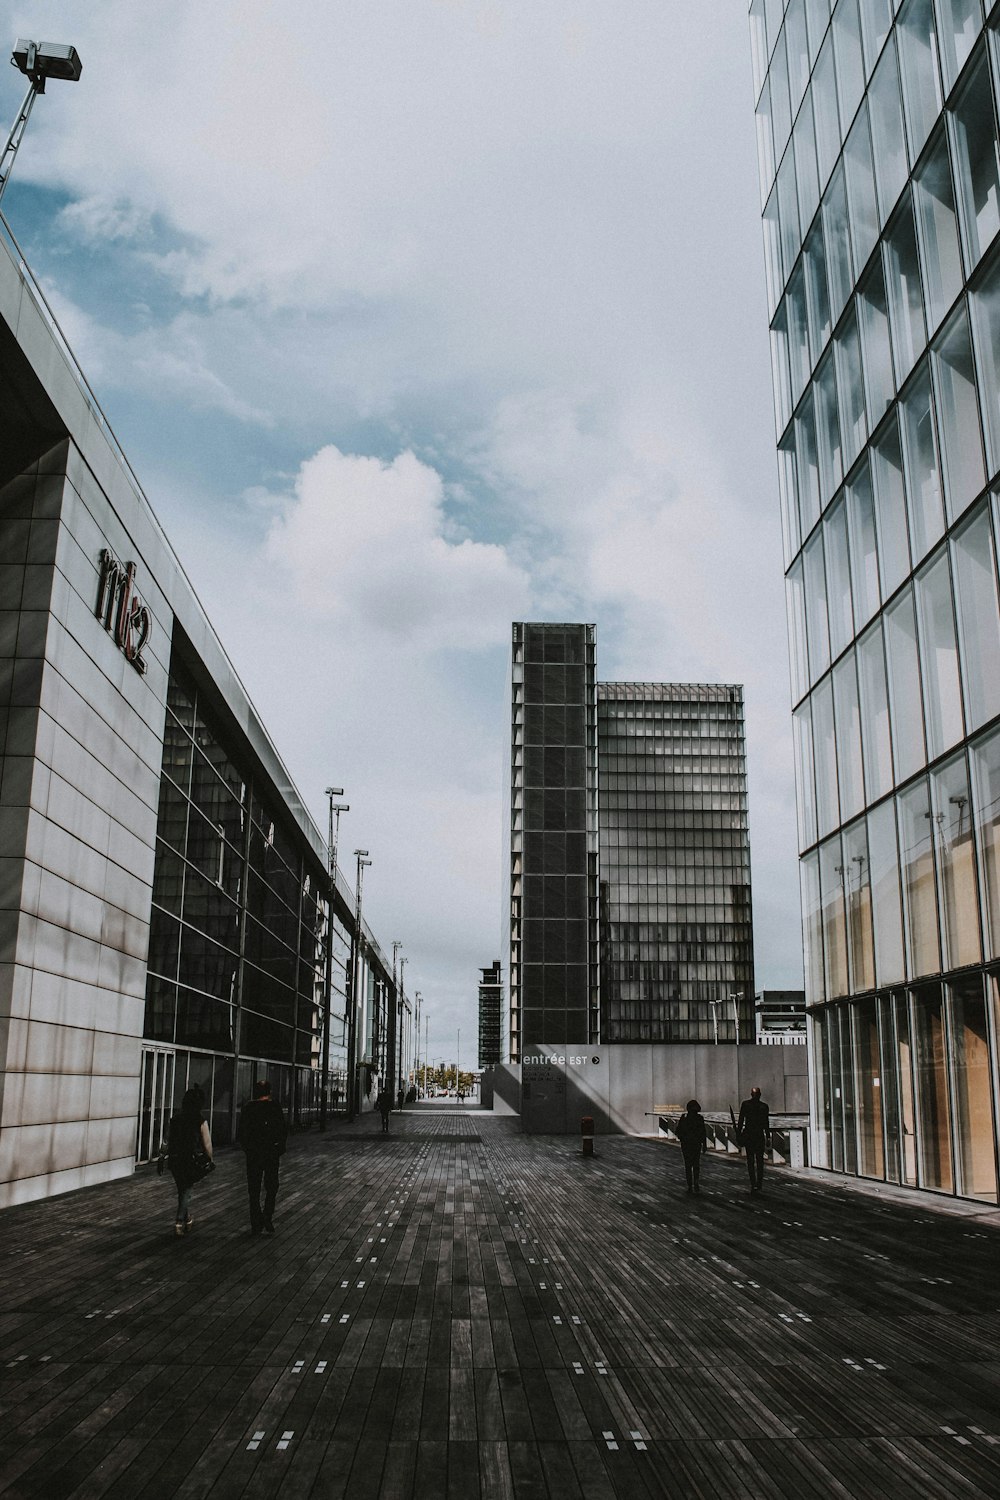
(121,610)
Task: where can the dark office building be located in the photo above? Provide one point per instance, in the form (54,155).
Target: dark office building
(490,1007)
(629,911)
(676,934)
(553,987)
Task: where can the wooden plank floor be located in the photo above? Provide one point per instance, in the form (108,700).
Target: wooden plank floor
(457,1311)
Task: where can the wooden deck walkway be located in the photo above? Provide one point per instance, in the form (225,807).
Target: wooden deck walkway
(459,1311)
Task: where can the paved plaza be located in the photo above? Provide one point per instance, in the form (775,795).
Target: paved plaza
(459,1310)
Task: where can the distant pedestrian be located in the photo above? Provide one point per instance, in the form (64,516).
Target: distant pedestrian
(262,1135)
(693,1136)
(400,1096)
(189,1155)
(753,1133)
(383,1103)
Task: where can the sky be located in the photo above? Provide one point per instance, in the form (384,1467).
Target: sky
(415,318)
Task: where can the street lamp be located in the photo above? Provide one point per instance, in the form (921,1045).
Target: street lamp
(38,61)
(418,1001)
(361,855)
(715,1019)
(336,808)
(397,1060)
(735,998)
(390,1051)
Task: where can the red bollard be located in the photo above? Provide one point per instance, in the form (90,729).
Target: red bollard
(587,1132)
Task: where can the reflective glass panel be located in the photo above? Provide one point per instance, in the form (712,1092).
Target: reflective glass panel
(959,24)
(986,795)
(934,1135)
(838,244)
(818,298)
(939,654)
(923,953)
(888,143)
(850,64)
(788,491)
(904,686)
(934,201)
(779,370)
(861,188)
(876,23)
(806,795)
(831,462)
(956,864)
(890,509)
(788,209)
(919,66)
(904,1078)
(824,92)
(807,465)
(850,381)
(796,606)
(871,1156)
(977,169)
(758,44)
(958,414)
(875,739)
(806,173)
(978,611)
(887,912)
(857,884)
(845,693)
(816,614)
(902,280)
(772,252)
(766,163)
(864,561)
(799,358)
(873,316)
(797,47)
(812,928)
(890,1091)
(974,1135)
(781,113)
(831,876)
(825,757)
(985,302)
(838,576)
(923,480)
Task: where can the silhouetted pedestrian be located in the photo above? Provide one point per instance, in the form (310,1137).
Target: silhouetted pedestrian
(189,1154)
(262,1135)
(693,1136)
(383,1103)
(400,1096)
(753,1133)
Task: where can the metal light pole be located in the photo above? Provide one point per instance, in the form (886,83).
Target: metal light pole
(426,1025)
(458,1053)
(715,1019)
(417,1002)
(736,1015)
(397,1061)
(37,61)
(361,855)
(390,1050)
(336,808)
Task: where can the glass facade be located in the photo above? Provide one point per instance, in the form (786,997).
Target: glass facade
(553,979)
(238,934)
(882,252)
(490,1009)
(676,933)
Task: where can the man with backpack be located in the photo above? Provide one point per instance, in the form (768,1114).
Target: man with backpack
(262,1135)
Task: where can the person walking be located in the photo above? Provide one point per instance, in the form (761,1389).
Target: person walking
(753,1133)
(383,1103)
(262,1135)
(693,1136)
(189,1148)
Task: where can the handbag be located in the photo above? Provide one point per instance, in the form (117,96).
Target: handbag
(201,1165)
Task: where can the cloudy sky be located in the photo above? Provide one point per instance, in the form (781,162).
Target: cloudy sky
(416,317)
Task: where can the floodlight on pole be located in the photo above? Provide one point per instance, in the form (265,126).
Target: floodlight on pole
(336,808)
(38,61)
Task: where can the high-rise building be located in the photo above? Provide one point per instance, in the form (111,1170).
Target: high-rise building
(629,874)
(676,934)
(490,1007)
(880,178)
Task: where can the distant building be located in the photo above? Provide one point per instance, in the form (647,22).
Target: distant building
(490,1009)
(781,1016)
(629,915)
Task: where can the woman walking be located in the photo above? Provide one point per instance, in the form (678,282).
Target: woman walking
(189,1145)
(693,1136)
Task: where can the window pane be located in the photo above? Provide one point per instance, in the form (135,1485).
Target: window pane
(812,929)
(923,955)
(958,415)
(772,252)
(888,145)
(831,464)
(956,864)
(852,391)
(797,44)
(861,188)
(850,66)
(860,946)
(887,910)
(973,1105)
(864,562)
(824,91)
(825,753)
(818,297)
(902,280)
(779,370)
(838,576)
(758,44)
(788,491)
(876,22)
(934,1135)
(871,1161)
(795,602)
(788,209)
(845,691)
(873,317)
(918,62)
(831,877)
(799,360)
(986,332)
(939,653)
(806,796)
(923,483)
(816,616)
(938,225)
(986,795)
(807,465)
(806,173)
(974,137)
(875,739)
(904,686)
(838,245)
(959,24)
(890,509)
(781,113)
(766,164)
(978,617)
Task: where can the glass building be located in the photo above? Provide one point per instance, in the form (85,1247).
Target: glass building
(490,1009)
(676,932)
(880,180)
(629,865)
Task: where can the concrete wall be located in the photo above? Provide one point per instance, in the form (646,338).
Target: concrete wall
(625,1088)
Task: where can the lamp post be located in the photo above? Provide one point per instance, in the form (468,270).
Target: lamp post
(361,855)
(336,808)
(426,1025)
(715,1019)
(38,61)
(390,1050)
(735,998)
(397,1060)
(458,1053)
(418,1000)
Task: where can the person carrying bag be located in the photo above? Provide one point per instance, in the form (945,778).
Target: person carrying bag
(189,1155)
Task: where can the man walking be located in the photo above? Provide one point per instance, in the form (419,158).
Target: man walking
(262,1135)
(753,1133)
